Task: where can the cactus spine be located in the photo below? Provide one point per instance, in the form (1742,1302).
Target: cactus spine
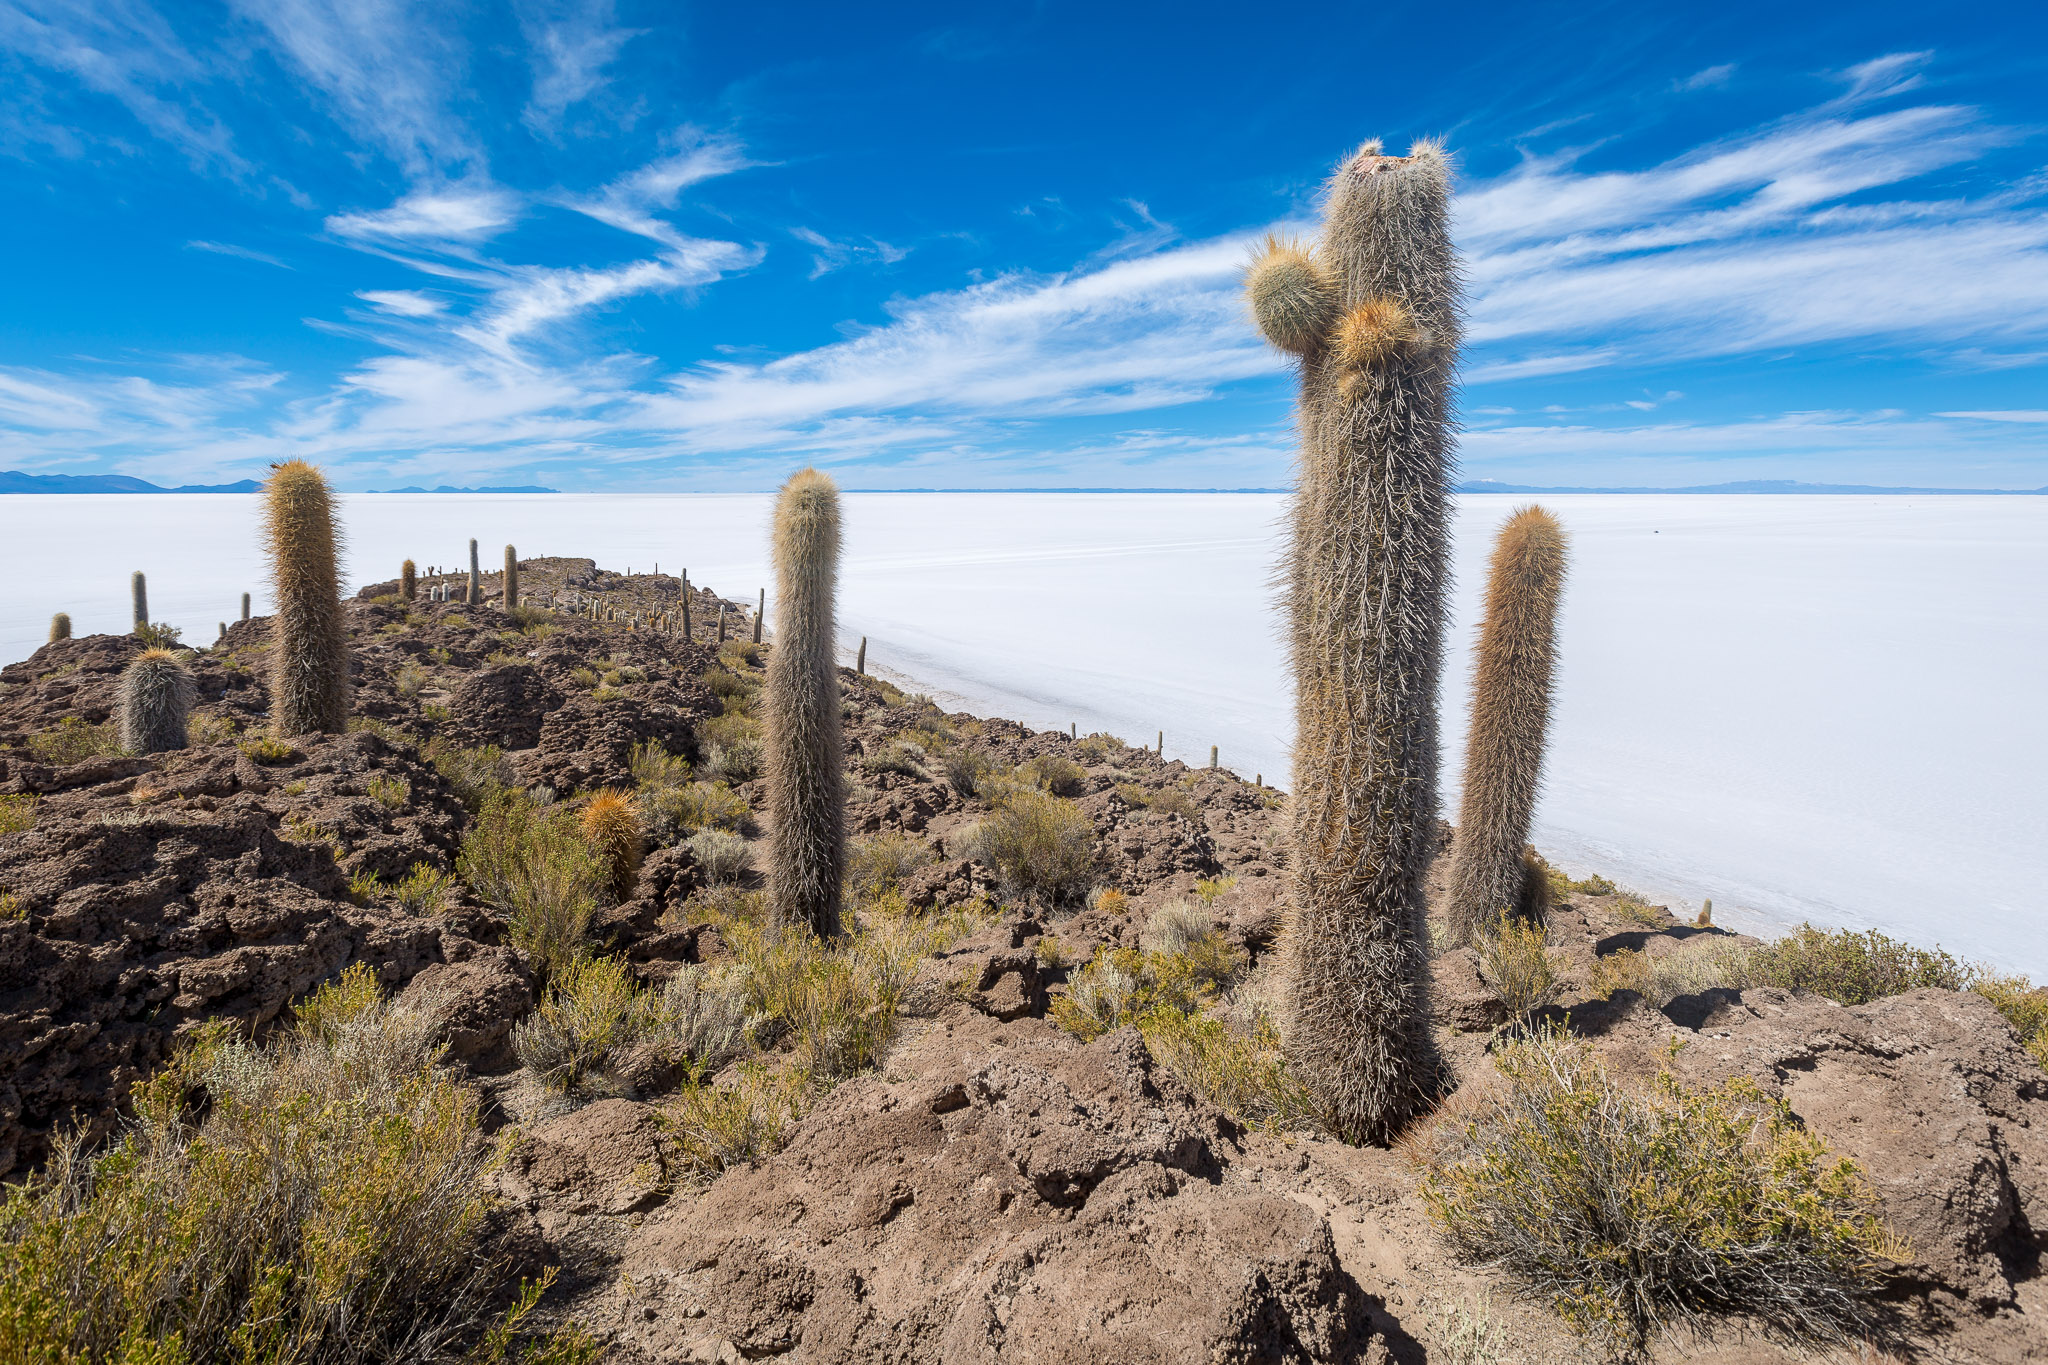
(1372,315)
(511,578)
(806,793)
(761,610)
(309,647)
(156,701)
(60,627)
(1511,679)
(408,582)
(138,595)
(245,606)
(476,579)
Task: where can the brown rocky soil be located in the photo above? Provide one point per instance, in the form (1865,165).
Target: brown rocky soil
(997,1191)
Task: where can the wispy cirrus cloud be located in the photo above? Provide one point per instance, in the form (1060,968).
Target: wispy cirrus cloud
(571,44)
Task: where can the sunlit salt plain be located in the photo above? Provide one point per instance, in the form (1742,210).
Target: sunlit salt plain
(1803,707)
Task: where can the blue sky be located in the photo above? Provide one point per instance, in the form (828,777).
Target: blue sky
(608,246)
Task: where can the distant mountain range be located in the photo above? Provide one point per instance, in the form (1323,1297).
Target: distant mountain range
(13,481)
(1744,486)
(444,488)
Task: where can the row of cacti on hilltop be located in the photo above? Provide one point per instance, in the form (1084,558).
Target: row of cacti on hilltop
(1371,313)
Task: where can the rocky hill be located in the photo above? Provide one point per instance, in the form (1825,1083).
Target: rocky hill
(1001,1184)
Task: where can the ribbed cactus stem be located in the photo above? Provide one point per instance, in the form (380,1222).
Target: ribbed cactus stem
(760,611)
(806,787)
(245,606)
(686,604)
(138,596)
(309,644)
(60,626)
(156,702)
(860,660)
(511,578)
(408,582)
(475,591)
(1212,755)
(1511,680)
(1162,744)
(1373,315)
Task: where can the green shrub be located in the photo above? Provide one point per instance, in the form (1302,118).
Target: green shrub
(1634,1212)
(1595,885)
(1245,1076)
(1042,848)
(158,635)
(391,793)
(1050,772)
(1699,964)
(592,1016)
(734,760)
(735,1122)
(534,866)
(18,813)
(899,756)
(1185,930)
(478,775)
(720,855)
(1121,985)
(1847,966)
(879,863)
(1516,963)
(837,1001)
(423,890)
(654,766)
(965,769)
(328,1207)
(73,741)
(2025,1007)
(675,813)
(410,681)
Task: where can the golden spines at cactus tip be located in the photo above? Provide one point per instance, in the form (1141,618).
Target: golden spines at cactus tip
(611,825)
(1293,299)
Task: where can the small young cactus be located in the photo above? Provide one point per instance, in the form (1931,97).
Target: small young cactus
(611,825)
(60,626)
(408,582)
(309,649)
(223,628)
(511,578)
(156,701)
(138,594)
(1511,679)
(805,763)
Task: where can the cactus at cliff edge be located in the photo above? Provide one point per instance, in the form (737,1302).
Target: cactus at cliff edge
(1511,678)
(155,702)
(138,597)
(1371,313)
(309,644)
(408,581)
(806,792)
(60,626)
(245,606)
(511,578)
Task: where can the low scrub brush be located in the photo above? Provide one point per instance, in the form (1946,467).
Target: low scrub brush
(1516,962)
(1050,772)
(477,775)
(1850,967)
(1634,1212)
(533,866)
(74,741)
(327,1208)
(722,857)
(1042,847)
(879,864)
(673,814)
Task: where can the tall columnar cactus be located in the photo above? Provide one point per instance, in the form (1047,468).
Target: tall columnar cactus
(761,611)
(686,604)
(408,581)
(60,626)
(138,597)
(245,606)
(1510,713)
(806,792)
(156,701)
(309,646)
(476,578)
(860,660)
(1371,312)
(511,578)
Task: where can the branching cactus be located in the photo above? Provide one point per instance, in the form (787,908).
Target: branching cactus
(138,596)
(408,581)
(511,578)
(1371,312)
(156,702)
(60,626)
(1511,679)
(309,646)
(806,792)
